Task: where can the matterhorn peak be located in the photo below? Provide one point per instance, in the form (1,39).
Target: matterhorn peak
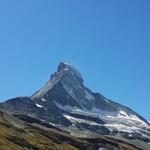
(66,67)
(63,66)
(66,75)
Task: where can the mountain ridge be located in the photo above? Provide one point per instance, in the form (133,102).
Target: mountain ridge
(66,101)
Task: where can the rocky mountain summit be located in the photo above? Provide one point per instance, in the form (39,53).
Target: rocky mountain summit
(65,102)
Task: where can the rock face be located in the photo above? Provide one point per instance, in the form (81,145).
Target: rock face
(66,101)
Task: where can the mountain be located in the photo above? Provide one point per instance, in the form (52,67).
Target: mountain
(67,103)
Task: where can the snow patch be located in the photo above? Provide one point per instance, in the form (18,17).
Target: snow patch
(66,69)
(75,120)
(43,99)
(52,124)
(40,106)
(130,135)
(123,113)
(123,128)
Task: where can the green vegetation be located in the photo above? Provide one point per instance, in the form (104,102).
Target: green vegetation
(16,134)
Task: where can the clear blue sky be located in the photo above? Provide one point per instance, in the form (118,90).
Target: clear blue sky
(108,41)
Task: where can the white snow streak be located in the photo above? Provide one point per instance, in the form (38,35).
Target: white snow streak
(43,99)
(40,106)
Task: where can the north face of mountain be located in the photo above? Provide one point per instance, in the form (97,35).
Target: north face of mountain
(66,101)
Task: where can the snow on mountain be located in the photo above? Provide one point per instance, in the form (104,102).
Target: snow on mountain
(43,99)
(39,106)
(75,120)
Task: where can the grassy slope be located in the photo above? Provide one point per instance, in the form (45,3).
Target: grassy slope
(16,134)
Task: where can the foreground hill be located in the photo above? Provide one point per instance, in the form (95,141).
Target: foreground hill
(20,132)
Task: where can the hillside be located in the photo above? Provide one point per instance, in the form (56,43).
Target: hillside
(25,133)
